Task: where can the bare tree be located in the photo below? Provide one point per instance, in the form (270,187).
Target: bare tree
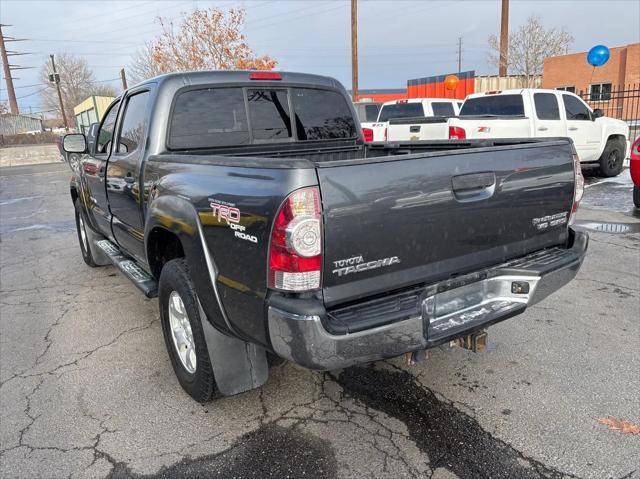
(529,45)
(76,83)
(142,66)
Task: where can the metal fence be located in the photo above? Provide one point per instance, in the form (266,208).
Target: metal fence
(618,101)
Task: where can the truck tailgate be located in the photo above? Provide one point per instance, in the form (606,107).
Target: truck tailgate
(417,129)
(396,221)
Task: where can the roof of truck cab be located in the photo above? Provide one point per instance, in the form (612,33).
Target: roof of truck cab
(419,100)
(515,91)
(239,76)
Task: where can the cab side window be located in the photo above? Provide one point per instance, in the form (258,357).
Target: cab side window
(576,110)
(546,106)
(105,133)
(133,123)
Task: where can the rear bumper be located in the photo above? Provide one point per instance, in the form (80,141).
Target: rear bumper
(301,337)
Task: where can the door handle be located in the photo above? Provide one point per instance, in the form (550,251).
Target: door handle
(542,128)
(473,187)
(572,128)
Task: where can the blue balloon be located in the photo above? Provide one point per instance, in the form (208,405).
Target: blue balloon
(598,55)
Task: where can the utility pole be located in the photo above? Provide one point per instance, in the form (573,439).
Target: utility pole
(56,78)
(504,39)
(123,77)
(459,55)
(354,50)
(13,103)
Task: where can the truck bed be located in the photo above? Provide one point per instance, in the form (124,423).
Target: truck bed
(441,208)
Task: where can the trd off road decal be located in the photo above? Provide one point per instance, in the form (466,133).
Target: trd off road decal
(231,215)
(357,264)
(225,211)
(545,222)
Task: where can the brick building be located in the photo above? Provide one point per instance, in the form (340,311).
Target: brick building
(573,72)
(622,71)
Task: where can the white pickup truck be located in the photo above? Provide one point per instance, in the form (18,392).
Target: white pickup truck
(599,141)
(395,117)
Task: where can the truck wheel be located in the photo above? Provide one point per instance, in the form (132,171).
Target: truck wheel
(182,329)
(636,196)
(612,159)
(83,237)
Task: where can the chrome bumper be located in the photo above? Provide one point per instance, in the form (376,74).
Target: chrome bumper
(304,340)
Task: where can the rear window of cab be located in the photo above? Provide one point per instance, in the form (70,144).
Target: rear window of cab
(230,116)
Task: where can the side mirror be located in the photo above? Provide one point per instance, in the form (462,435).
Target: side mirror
(598,113)
(74,143)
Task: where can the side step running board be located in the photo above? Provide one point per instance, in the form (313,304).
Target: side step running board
(129,268)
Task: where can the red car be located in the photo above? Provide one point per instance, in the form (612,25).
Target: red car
(634,167)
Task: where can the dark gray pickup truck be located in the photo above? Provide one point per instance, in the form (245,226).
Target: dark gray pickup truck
(248,203)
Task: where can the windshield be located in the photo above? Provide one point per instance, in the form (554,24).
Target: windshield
(498,105)
(401,110)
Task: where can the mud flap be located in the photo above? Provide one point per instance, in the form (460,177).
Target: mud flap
(238,366)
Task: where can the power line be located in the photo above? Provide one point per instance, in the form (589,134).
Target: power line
(28,95)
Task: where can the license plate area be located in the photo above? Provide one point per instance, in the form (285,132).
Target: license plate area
(467,307)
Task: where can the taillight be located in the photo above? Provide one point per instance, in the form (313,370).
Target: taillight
(368,135)
(457,133)
(578,190)
(295,252)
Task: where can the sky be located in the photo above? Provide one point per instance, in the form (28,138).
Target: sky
(398,40)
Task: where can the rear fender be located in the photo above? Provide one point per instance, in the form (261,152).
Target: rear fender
(179,217)
(238,366)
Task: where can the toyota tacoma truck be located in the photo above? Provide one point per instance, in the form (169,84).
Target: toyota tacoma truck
(600,142)
(248,203)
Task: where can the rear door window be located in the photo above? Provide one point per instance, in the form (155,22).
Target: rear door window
(133,124)
(401,110)
(208,118)
(494,105)
(269,114)
(442,108)
(321,115)
(546,106)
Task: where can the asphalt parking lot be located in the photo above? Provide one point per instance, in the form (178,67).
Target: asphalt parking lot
(87,389)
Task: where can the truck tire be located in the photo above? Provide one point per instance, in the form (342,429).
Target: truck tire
(612,159)
(182,329)
(636,196)
(83,237)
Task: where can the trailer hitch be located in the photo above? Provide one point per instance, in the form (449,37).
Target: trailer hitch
(476,341)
